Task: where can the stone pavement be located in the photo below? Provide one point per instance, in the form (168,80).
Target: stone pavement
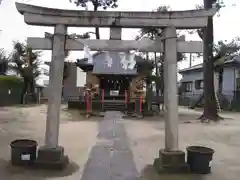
(111,157)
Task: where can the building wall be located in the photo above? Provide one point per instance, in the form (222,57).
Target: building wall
(73,84)
(192,77)
(229,81)
(42,80)
(81,77)
(70,90)
(91,78)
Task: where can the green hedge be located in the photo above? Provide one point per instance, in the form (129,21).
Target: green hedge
(235,106)
(10,90)
(10,82)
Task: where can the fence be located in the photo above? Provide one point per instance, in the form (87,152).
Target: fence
(227,99)
(10,96)
(186,99)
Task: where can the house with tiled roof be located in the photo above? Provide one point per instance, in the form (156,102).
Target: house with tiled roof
(192,80)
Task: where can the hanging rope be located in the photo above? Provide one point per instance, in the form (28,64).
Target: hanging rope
(108,59)
(87,54)
(127,61)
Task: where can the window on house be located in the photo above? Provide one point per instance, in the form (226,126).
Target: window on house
(187,86)
(199,84)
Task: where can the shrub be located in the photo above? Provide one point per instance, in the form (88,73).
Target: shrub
(10,82)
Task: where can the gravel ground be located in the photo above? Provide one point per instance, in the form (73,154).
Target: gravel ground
(77,135)
(143,139)
(147,137)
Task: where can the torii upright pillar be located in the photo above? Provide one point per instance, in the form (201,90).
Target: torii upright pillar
(170,90)
(51,155)
(171,158)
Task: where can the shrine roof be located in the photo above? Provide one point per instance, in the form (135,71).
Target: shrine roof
(100,67)
(229,62)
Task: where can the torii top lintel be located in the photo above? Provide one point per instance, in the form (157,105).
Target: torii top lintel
(42,16)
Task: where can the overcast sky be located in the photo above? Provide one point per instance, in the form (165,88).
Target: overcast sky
(12,25)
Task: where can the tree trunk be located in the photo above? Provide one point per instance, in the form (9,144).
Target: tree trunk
(97,32)
(220,80)
(32,98)
(190,60)
(24,90)
(158,75)
(162,80)
(149,94)
(149,98)
(31,86)
(210,106)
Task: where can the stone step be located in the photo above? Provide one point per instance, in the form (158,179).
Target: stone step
(114,106)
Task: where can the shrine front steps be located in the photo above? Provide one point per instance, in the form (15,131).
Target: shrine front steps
(114,106)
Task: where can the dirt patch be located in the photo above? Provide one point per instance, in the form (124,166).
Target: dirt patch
(77,137)
(147,138)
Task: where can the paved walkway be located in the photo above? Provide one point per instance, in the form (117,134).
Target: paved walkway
(111,157)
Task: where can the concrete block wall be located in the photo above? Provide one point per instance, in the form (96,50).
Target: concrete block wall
(70,89)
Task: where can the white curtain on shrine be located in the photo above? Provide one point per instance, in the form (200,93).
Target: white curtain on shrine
(108,59)
(132,61)
(128,60)
(87,54)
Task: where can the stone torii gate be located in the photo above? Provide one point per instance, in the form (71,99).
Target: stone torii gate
(51,153)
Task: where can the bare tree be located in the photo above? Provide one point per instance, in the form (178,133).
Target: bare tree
(96,5)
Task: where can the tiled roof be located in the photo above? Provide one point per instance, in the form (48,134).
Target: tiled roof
(195,67)
(200,66)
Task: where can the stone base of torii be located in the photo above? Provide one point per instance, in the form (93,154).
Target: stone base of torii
(170,158)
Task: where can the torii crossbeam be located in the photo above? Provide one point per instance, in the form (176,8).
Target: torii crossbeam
(35,15)
(115,45)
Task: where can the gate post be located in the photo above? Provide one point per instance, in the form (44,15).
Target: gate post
(86,102)
(51,155)
(88,110)
(126,101)
(102,100)
(170,90)
(138,105)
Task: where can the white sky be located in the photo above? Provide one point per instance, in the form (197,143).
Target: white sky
(226,26)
